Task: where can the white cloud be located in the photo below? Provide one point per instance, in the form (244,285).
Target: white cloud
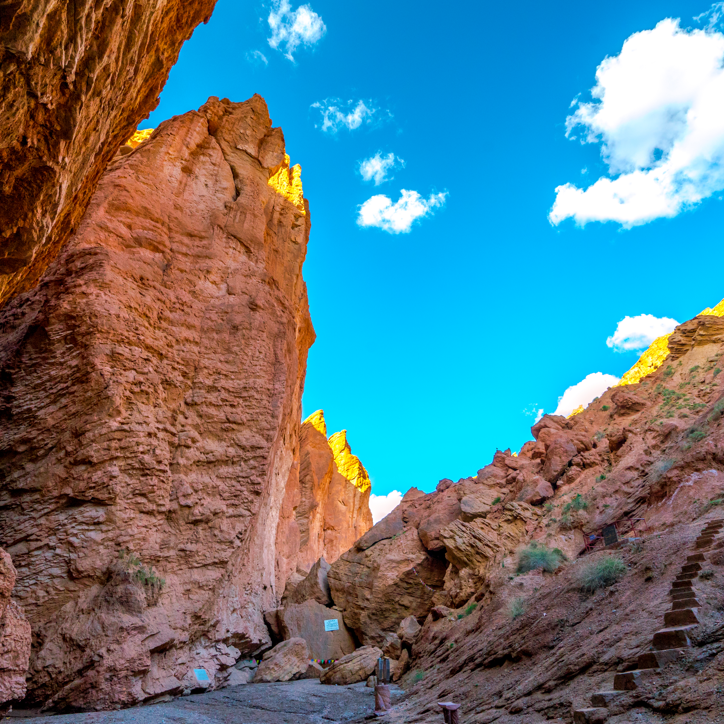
(378,167)
(256,56)
(534,411)
(337,114)
(381,505)
(380,212)
(292,28)
(658,111)
(712,17)
(639,332)
(593,385)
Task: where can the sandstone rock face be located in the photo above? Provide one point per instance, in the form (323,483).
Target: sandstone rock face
(353,668)
(286,661)
(14,638)
(150,392)
(315,586)
(326,505)
(77,79)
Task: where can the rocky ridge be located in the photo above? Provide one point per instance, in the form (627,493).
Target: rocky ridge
(647,457)
(150,391)
(77,79)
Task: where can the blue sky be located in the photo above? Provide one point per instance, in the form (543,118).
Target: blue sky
(433,344)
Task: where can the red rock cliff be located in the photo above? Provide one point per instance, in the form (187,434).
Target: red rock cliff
(150,393)
(326,505)
(77,78)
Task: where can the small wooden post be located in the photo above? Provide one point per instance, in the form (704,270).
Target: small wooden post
(450,712)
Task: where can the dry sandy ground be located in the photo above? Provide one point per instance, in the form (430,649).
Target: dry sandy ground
(296,702)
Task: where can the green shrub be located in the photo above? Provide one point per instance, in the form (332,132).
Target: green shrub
(694,368)
(668,371)
(468,610)
(600,478)
(418,676)
(601,573)
(706,575)
(517,608)
(145,576)
(717,411)
(696,434)
(497,500)
(606,407)
(659,469)
(534,557)
(717,371)
(579,502)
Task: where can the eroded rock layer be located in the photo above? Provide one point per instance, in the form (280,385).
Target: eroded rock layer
(77,77)
(150,393)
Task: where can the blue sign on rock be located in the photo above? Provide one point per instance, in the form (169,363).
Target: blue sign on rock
(201,674)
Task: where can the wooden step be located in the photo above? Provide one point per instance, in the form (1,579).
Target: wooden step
(677,593)
(687,576)
(676,637)
(691,568)
(695,558)
(680,617)
(681,584)
(680,603)
(597,715)
(630,680)
(657,659)
(601,699)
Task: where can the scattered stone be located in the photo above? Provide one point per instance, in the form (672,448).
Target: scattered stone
(286,661)
(353,668)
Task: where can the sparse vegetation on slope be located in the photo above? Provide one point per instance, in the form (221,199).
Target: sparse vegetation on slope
(601,573)
(536,556)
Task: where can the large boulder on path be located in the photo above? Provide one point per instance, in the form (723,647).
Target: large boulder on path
(286,661)
(408,630)
(353,668)
(306,621)
(315,586)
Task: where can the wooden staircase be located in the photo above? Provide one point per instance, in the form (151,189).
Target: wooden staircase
(669,642)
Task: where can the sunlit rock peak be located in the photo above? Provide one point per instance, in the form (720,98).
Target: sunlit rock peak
(317,421)
(288,182)
(139,137)
(657,353)
(347,463)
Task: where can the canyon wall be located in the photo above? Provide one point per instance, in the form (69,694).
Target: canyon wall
(150,397)
(77,78)
(326,504)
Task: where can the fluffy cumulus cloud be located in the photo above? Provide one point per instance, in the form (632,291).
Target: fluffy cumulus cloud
(658,113)
(398,217)
(379,168)
(381,505)
(291,29)
(592,386)
(337,114)
(639,332)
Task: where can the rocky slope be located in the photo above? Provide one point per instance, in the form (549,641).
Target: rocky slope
(77,78)
(150,392)
(530,647)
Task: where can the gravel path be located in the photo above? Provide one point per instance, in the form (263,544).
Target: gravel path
(296,702)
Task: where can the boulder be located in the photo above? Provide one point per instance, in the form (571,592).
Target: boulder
(306,621)
(379,586)
(353,668)
(315,586)
(535,491)
(286,661)
(445,510)
(559,453)
(403,664)
(408,630)
(392,646)
(478,503)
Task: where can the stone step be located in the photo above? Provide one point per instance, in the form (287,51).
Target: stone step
(630,680)
(604,698)
(687,576)
(695,558)
(680,603)
(681,584)
(712,528)
(691,568)
(680,617)
(703,543)
(676,637)
(677,593)
(657,659)
(597,715)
